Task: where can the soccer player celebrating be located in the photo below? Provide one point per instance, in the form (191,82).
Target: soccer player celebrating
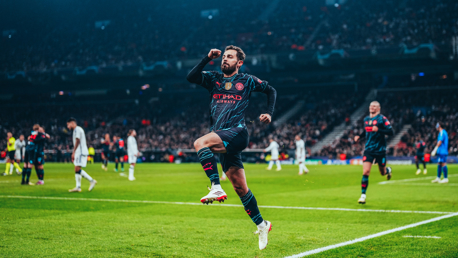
(230,95)
(105,151)
(79,155)
(441,150)
(300,155)
(421,145)
(34,155)
(376,127)
(132,152)
(11,148)
(273,148)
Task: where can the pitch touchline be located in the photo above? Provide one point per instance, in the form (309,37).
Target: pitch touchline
(411,179)
(326,248)
(228,205)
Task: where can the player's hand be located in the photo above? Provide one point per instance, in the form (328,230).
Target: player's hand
(356,138)
(374,128)
(265,118)
(47,136)
(214,53)
(73,157)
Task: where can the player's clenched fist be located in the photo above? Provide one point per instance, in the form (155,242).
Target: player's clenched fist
(214,53)
(265,118)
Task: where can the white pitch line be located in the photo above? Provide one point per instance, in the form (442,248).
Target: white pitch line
(412,179)
(224,205)
(326,248)
(428,184)
(436,237)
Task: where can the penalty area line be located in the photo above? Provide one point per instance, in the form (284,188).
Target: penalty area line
(219,205)
(326,248)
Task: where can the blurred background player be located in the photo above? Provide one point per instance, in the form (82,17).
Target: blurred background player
(300,155)
(11,151)
(119,152)
(273,148)
(79,156)
(133,153)
(20,149)
(106,151)
(228,135)
(91,152)
(420,157)
(376,127)
(441,150)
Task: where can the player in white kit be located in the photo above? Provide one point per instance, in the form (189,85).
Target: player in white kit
(300,155)
(79,155)
(273,148)
(132,152)
(20,150)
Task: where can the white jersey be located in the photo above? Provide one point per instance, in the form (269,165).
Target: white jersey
(273,148)
(19,145)
(82,148)
(132,149)
(300,150)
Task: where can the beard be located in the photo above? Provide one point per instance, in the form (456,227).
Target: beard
(227,69)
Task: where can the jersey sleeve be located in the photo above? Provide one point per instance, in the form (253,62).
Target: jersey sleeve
(209,79)
(78,133)
(258,85)
(441,137)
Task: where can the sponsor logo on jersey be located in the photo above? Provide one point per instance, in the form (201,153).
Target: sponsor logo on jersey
(227,96)
(228,85)
(239,86)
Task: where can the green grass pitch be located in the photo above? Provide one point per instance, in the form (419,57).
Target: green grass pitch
(77,228)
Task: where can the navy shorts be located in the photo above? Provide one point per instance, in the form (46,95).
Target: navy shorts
(34,158)
(235,140)
(380,159)
(420,158)
(120,154)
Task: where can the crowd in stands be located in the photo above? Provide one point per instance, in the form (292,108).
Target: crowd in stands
(140,32)
(420,109)
(171,122)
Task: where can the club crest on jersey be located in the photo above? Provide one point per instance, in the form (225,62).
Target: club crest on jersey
(239,86)
(375,122)
(228,85)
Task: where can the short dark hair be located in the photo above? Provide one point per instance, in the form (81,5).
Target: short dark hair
(441,124)
(240,54)
(71,119)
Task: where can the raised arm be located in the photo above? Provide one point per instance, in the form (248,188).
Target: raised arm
(271,99)
(195,75)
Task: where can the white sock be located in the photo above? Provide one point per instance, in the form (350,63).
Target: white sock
(262,225)
(304,167)
(278,164)
(217,187)
(300,168)
(78,180)
(271,163)
(85,175)
(11,168)
(131,171)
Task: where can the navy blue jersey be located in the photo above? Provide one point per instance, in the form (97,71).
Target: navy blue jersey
(119,144)
(421,146)
(36,142)
(375,141)
(230,97)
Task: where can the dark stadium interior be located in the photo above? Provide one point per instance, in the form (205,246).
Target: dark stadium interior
(90,60)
